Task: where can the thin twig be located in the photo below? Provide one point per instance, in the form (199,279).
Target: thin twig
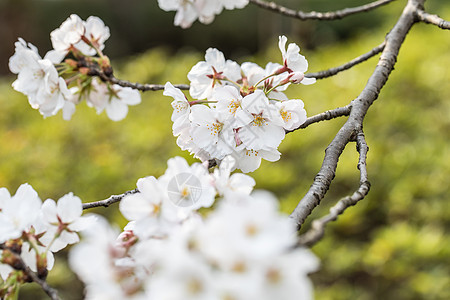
(327,115)
(110,200)
(432,19)
(20,265)
(315,234)
(353,62)
(360,106)
(313,15)
(137,86)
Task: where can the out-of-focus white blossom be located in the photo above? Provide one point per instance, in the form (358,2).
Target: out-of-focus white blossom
(243,249)
(68,34)
(76,34)
(187,11)
(18,212)
(113,99)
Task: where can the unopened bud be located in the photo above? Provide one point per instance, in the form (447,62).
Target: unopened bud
(72,63)
(296,77)
(84,70)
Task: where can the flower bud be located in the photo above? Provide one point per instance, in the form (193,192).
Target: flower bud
(296,77)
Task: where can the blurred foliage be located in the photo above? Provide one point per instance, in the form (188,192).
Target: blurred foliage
(392,245)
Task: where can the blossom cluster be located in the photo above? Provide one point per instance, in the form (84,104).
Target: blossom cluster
(62,78)
(243,249)
(204,10)
(239,110)
(35,230)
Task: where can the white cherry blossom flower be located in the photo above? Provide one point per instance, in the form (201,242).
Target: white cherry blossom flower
(95,262)
(38,79)
(285,276)
(211,131)
(53,95)
(181,108)
(292,112)
(24,55)
(213,72)
(230,186)
(293,61)
(64,220)
(68,34)
(188,187)
(259,123)
(150,209)
(205,10)
(96,33)
(186,14)
(18,212)
(114,99)
(228,101)
(254,76)
(182,276)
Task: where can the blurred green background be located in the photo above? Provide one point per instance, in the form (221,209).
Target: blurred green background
(392,245)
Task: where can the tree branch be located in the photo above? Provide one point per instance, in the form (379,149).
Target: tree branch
(94,71)
(353,62)
(313,15)
(432,19)
(21,266)
(317,230)
(327,115)
(110,200)
(360,105)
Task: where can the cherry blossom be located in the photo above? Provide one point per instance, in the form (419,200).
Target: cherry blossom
(96,33)
(292,112)
(113,99)
(239,110)
(18,212)
(181,108)
(213,72)
(39,80)
(187,11)
(68,34)
(259,123)
(187,186)
(95,261)
(63,220)
(228,101)
(24,55)
(293,61)
(75,34)
(211,131)
(228,185)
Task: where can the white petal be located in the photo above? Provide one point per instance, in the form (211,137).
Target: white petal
(129,96)
(48,210)
(116,110)
(308,81)
(135,207)
(69,208)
